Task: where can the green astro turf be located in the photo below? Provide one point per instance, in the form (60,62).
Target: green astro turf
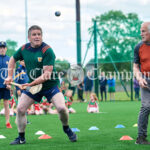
(106,138)
(119,96)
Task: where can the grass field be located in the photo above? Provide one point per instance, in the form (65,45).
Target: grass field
(119,96)
(106,138)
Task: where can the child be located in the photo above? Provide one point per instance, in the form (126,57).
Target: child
(12,103)
(63,87)
(37,109)
(68,102)
(45,106)
(93,105)
(30,110)
(52,109)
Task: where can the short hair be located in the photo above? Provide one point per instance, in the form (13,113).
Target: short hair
(34,27)
(147,25)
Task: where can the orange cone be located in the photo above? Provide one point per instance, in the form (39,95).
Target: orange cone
(126,137)
(45,136)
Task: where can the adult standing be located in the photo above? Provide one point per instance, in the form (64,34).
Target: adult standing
(39,60)
(103,83)
(111,87)
(80,91)
(4,92)
(88,85)
(141,69)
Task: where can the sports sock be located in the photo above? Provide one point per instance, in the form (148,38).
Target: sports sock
(22,135)
(67,130)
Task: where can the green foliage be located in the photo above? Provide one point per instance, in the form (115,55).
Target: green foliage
(118,33)
(11,47)
(62,65)
(106,138)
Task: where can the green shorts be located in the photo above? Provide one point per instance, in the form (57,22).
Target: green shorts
(111,89)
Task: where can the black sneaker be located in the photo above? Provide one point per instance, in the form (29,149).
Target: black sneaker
(142,140)
(18,140)
(73,138)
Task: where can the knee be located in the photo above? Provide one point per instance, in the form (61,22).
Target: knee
(145,109)
(61,110)
(20,110)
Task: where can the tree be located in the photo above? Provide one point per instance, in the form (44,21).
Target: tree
(11,47)
(120,33)
(62,65)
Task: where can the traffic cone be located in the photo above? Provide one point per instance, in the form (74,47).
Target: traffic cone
(93,128)
(126,137)
(75,130)
(45,136)
(120,126)
(135,125)
(39,133)
(2,137)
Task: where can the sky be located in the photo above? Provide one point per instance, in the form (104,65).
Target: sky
(60,32)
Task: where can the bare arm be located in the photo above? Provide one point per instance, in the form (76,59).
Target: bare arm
(11,67)
(47,71)
(138,75)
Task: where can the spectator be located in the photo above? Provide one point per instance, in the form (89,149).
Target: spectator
(68,102)
(141,68)
(111,87)
(63,87)
(103,83)
(73,89)
(45,105)
(88,85)
(37,109)
(21,77)
(4,91)
(80,91)
(53,109)
(93,105)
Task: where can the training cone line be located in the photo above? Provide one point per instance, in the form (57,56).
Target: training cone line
(135,125)
(120,126)
(126,137)
(2,137)
(39,133)
(93,128)
(75,129)
(45,136)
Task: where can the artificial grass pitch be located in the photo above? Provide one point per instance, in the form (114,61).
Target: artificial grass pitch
(106,138)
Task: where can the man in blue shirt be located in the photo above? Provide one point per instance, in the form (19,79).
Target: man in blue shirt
(111,87)
(21,77)
(4,92)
